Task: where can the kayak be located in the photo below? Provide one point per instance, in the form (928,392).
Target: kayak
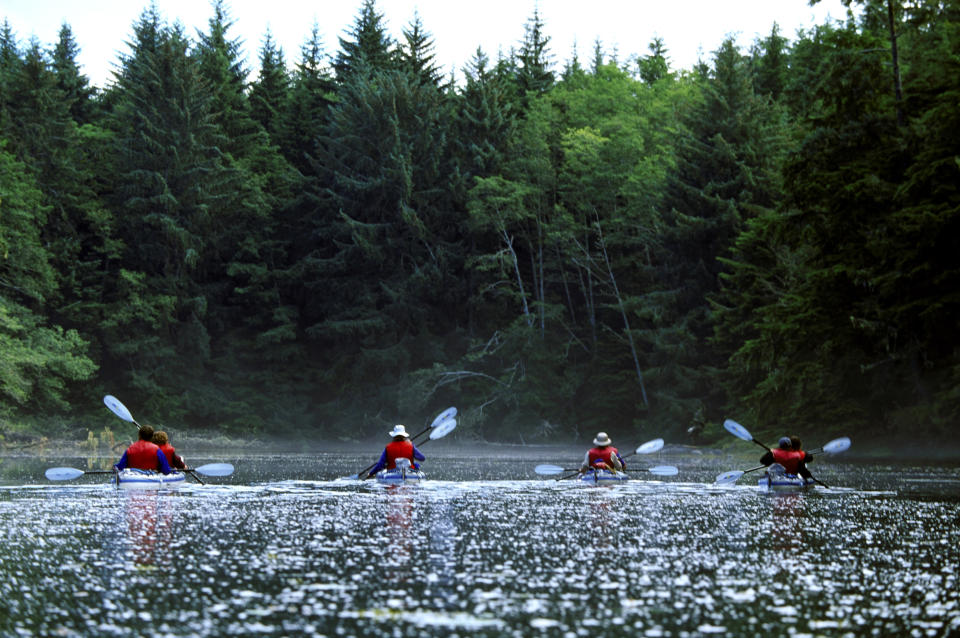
(400,476)
(784,482)
(135,479)
(602,477)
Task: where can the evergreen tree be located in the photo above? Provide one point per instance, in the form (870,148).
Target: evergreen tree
(655,66)
(368,49)
(728,171)
(73,85)
(270,94)
(534,74)
(416,55)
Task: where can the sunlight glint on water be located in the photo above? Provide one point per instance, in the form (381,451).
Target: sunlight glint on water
(280,556)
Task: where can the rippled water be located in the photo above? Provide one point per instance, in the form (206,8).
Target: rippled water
(485,547)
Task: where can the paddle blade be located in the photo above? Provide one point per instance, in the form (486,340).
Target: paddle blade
(117,408)
(62,473)
(447,414)
(664,470)
(728,477)
(443,429)
(650,446)
(837,445)
(737,430)
(214,469)
(548,469)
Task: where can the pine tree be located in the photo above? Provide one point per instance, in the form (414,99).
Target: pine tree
(368,49)
(270,94)
(416,56)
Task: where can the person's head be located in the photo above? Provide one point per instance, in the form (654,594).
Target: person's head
(785,443)
(160,437)
(795,443)
(399,433)
(146,433)
(602,440)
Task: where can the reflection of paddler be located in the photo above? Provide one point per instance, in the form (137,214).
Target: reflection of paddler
(149,528)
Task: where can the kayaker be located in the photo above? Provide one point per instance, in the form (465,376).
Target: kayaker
(144,454)
(786,456)
(399,447)
(603,456)
(163,442)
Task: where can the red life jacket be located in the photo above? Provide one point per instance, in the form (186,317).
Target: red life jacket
(399,450)
(602,456)
(789,459)
(171,454)
(142,455)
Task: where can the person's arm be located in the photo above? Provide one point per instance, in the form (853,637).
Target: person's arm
(807,457)
(162,460)
(178,462)
(122,463)
(418,455)
(382,463)
(766,459)
(623,464)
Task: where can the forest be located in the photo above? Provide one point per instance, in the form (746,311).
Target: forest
(357,239)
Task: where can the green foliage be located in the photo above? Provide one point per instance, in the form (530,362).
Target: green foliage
(619,247)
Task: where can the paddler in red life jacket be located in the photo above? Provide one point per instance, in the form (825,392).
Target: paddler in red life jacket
(399,447)
(143,454)
(603,456)
(163,442)
(785,455)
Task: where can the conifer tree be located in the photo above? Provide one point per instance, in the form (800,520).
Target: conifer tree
(368,49)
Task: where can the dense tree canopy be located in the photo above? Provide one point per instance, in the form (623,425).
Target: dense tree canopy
(357,240)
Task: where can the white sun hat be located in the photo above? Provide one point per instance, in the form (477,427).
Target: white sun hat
(399,430)
(602,439)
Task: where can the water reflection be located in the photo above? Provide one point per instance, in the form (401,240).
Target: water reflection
(267,554)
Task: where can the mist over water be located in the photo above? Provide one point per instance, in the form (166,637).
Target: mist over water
(484,547)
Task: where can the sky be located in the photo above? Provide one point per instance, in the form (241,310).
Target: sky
(690,29)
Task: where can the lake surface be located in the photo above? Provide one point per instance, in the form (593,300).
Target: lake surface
(484,548)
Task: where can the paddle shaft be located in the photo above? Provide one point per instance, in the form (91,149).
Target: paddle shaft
(194,475)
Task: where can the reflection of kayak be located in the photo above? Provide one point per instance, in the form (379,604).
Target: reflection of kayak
(400,476)
(784,482)
(146,480)
(602,477)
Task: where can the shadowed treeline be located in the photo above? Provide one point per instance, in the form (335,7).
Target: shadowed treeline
(614,244)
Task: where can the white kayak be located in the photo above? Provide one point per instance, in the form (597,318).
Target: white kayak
(603,477)
(400,476)
(784,482)
(130,478)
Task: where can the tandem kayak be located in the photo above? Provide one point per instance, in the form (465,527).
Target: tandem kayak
(602,477)
(784,482)
(146,480)
(400,476)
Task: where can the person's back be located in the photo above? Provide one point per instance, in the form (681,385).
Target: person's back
(400,447)
(785,456)
(603,455)
(162,441)
(143,454)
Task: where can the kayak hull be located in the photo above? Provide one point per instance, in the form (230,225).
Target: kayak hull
(784,483)
(602,477)
(400,477)
(132,479)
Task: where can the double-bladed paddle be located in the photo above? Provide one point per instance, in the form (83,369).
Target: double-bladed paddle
(649,447)
(68,473)
(660,470)
(442,425)
(835,446)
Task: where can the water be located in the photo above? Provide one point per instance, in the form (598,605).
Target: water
(485,548)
